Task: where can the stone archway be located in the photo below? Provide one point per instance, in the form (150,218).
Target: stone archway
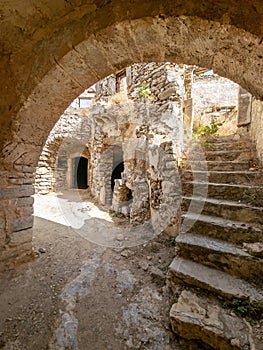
(86,48)
(231,52)
(80,172)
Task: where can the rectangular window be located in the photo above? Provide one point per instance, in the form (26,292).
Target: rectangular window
(84,102)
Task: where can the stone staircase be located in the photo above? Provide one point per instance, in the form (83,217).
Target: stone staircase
(219,250)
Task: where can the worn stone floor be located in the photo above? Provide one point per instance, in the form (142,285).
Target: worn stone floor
(83,293)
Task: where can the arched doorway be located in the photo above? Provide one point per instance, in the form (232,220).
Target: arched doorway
(80,174)
(116,174)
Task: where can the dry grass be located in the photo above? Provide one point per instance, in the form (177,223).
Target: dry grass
(119,98)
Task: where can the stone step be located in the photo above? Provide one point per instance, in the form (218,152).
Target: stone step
(222,155)
(216,165)
(231,138)
(228,177)
(222,284)
(220,255)
(220,228)
(202,319)
(244,193)
(217,145)
(233,145)
(230,210)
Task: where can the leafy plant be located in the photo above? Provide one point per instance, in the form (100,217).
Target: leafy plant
(144,92)
(206,130)
(172,241)
(245,309)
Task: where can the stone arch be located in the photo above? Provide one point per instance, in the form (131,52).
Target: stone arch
(70,148)
(45,171)
(55,167)
(231,52)
(79,48)
(78,173)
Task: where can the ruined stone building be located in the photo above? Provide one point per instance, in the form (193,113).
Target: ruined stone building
(124,147)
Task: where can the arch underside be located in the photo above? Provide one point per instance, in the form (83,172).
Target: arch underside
(229,51)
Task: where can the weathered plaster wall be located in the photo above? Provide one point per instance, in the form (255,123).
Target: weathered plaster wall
(134,127)
(215,98)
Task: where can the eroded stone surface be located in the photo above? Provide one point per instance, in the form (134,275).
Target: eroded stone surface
(191,273)
(198,318)
(255,249)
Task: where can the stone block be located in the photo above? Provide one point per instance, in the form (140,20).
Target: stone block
(199,318)
(8,192)
(24,201)
(25,168)
(167,93)
(42,170)
(27,211)
(23,223)
(168,187)
(255,249)
(21,237)
(28,181)
(26,191)
(18,181)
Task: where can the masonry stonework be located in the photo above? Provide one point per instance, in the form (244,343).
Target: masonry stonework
(257,125)
(38,63)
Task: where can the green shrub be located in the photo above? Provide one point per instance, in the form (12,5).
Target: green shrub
(206,130)
(144,92)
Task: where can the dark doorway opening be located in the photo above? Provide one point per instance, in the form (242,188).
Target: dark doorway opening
(116,174)
(81,173)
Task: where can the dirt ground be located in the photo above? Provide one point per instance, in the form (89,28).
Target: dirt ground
(81,295)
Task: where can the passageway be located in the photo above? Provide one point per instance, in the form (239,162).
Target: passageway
(77,293)
(116,174)
(80,173)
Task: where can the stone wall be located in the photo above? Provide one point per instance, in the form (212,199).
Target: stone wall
(167,93)
(139,131)
(215,99)
(256,126)
(164,81)
(156,111)
(146,162)
(16,219)
(49,174)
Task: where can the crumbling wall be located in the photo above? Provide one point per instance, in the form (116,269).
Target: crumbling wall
(139,125)
(106,88)
(215,99)
(165,188)
(52,165)
(164,81)
(142,144)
